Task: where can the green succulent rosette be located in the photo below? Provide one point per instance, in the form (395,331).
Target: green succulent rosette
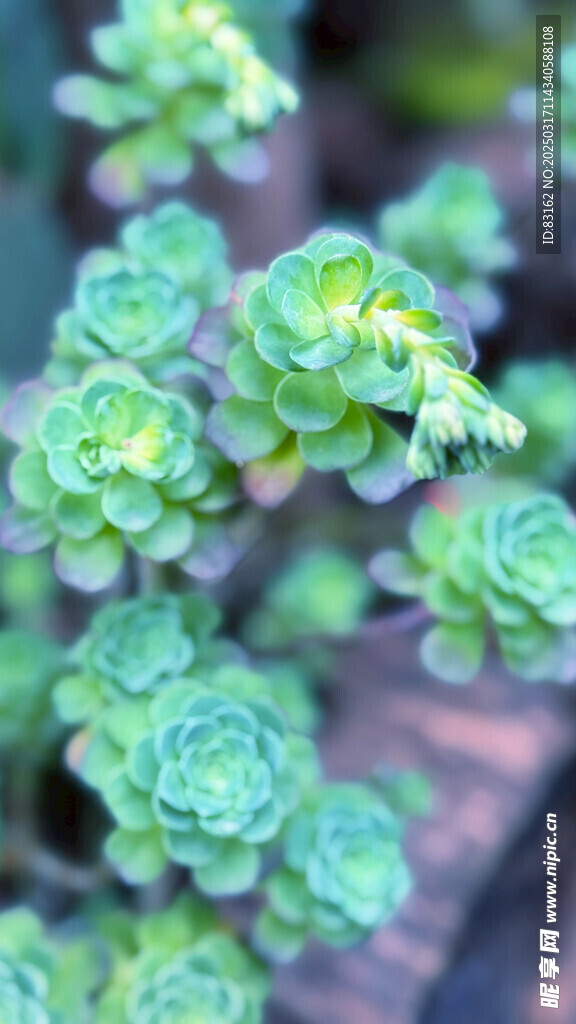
(450,230)
(185,246)
(29,666)
(42,981)
(203,775)
(180,961)
(512,565)
(332,333)
(344,873)
(322,591)
(109,463)
(141,300)
(186,76)
(542,393)
(140,315)
(136,647)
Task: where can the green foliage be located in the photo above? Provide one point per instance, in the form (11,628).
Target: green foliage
(449,229)
(320,591)
(29,664)
(142,300)
(41,981)
(513,564)
(136,647)
(330,332)
(203,775)
(187,76)
(180,961)
(343,875)
(542,393)
(108,462)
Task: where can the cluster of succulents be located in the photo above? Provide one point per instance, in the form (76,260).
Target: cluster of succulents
(334,332)
(509,564)
(187,76)
(177,962)
(542,393)
(203,774)
(141,300)
(343,873)
(450,230)
(109,462)
(43,981)
(29,666)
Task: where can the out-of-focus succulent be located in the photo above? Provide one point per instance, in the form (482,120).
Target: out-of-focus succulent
(188,76)
(142,300)
(321,591)
(514,564)
(41,981)
(344,874)
(179,962)
(202,775)
(332,331)
(543,394)
(29,664)
(450,230)
(136,647)
(109,462)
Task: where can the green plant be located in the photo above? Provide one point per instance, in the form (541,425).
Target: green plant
(343,875)
(187,76)
(510,564)
(333,332)
(42,981)
(169,407)
(450,230)
(175,960)
(108,462)
(142,300)
(543,394)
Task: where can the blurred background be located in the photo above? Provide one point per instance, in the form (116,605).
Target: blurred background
(390,92)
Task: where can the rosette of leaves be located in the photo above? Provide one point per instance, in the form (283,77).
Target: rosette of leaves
(177,960)
(110,462)
(320,591)
(41,981)
(543,394)
(29,665)
(513,565)
(142,300)
(136,647)
(343,876)
(333,333)
(201,775)
(450,229)
(186,75)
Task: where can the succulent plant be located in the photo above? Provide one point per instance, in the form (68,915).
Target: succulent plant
(344,874)
(41,981)
(513,564)
(136,647)
(29,664)
(543,394)
(188,76)
(181,960)
(108,462)
(450,230)
(319,591)
(142,300)
(204,775)
(330,333)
